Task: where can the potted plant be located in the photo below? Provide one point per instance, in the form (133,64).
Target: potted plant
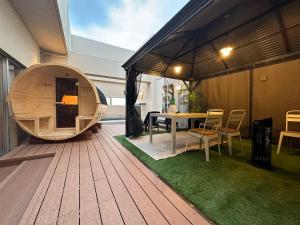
(172,107)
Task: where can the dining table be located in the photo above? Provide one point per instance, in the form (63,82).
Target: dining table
(174,117)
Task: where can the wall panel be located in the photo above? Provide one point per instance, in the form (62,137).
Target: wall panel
(275,90)
(228,93)
(278,94)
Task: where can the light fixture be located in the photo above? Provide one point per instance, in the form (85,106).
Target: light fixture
(141,94)
(69,100)
(178,87)
(177,69)
(226,51)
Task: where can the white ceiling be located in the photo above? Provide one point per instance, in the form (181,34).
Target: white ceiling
(43,20)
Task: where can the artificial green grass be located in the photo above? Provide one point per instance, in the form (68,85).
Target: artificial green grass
(229,190)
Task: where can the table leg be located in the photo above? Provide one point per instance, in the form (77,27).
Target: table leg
(173,133)
(150,128)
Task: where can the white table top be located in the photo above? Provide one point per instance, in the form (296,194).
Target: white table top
(180,115)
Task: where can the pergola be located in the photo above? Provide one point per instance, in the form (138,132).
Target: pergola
(261,32)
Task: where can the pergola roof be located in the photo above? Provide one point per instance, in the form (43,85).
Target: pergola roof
(260,31)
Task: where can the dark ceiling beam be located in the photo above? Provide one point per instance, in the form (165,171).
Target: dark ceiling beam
(270,61)
(252,42)
(195,32)
(282,27)
(178,36)
(186,85)
(217,53)
(164,56)
(195,85)
(177,53)
(191,87)
(194,57)
(237,27)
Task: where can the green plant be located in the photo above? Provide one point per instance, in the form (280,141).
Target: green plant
(197,102)
(172,101)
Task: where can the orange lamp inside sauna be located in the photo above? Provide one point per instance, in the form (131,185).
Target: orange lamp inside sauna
(69,100)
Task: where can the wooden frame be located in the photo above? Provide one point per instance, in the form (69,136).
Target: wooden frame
(32,100)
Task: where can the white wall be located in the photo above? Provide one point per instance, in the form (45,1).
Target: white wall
(97,58)
(15,39)
(156,94)
(112,88)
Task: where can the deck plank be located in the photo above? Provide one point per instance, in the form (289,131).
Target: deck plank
(69,210)
(128,209)
(43,149)
(50,207)
(166,207)
(52,149)
(33,208)
(108,207)
(193,216)
(23,151)
(98,181)
(89,209)
(12,153)
(151,213)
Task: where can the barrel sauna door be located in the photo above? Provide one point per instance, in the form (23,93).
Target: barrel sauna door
(66,102)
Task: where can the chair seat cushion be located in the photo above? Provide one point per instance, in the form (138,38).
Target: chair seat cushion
(204,132)
(227,130)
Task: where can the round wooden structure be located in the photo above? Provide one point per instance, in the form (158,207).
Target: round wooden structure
(37,106)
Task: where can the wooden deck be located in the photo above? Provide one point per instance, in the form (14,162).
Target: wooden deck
(98,181)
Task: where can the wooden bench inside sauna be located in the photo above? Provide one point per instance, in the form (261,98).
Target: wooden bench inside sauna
(54,102)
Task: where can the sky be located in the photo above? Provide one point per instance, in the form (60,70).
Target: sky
(124,23)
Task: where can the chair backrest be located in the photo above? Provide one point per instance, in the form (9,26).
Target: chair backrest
(213,119)
(235,118)
(292,116)
(147,118)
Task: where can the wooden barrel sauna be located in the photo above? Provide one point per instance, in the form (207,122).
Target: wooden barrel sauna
(54,101)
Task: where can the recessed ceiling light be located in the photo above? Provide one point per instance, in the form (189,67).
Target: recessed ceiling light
(178,69)
(226,51)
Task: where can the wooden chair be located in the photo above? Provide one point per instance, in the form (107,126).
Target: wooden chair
(291,117)
(232,128)
(209,131)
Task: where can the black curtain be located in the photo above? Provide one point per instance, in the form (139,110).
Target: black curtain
(134,124)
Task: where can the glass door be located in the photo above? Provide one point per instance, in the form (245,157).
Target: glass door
(66,102)
(10,134)
(2,151)
(14,133)
(3,106)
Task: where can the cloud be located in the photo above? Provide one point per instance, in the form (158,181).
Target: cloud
(132,22)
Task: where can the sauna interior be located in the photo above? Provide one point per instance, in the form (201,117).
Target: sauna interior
(54,102)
